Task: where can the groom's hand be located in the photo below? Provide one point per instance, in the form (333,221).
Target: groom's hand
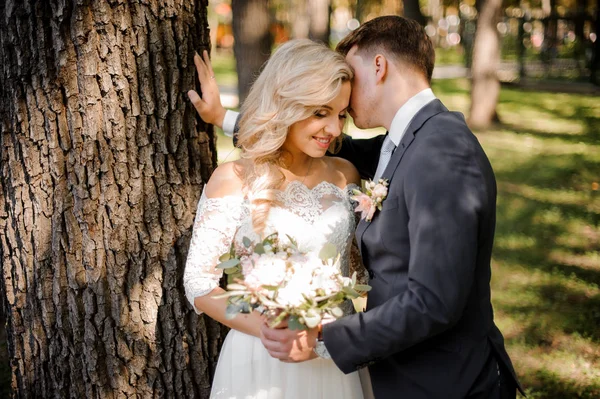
(289,345)
(209,105)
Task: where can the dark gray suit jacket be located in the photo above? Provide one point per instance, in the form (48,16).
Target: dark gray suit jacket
(428,331)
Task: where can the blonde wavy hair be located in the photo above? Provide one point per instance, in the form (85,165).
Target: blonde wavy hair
(300,77)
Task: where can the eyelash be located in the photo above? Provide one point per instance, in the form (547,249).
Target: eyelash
(320,115)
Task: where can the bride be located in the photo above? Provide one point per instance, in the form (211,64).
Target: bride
(294,113)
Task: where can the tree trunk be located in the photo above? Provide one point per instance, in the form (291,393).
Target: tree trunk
(412,10)
(320,12)
(253,41)
(549,51)
(300,19)
(485,86)
(595,66)
(102,161)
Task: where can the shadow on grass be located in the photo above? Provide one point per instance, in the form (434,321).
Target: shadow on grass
(544,225)
(563,310)
(545,207)
(580,110)
(544,384)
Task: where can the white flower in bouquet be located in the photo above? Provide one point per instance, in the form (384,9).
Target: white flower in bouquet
(286,283)
(266,269)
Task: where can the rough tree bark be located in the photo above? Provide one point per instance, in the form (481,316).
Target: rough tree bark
(253,41)
(102,160)
(485,86)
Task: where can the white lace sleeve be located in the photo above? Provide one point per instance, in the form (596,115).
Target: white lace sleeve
(217,220)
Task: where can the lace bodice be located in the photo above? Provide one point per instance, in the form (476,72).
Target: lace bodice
(312,217)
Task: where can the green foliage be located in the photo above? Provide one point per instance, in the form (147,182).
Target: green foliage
(223,63)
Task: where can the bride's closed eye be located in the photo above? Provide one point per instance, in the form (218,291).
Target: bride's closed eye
(324,114)
(321,113)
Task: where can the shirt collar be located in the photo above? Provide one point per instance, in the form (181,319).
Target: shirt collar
(407,112)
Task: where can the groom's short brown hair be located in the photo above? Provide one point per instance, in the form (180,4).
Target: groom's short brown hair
(402,38)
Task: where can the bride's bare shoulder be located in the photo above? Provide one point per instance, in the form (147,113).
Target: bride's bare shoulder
(225,180)
(344,171)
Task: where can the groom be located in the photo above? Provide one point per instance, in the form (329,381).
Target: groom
(428,331)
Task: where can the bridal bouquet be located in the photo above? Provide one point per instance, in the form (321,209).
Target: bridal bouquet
(286,283)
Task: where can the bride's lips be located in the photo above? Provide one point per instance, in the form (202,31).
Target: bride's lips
(322,142)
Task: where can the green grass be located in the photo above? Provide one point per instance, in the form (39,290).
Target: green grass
(449,56)
(223,63)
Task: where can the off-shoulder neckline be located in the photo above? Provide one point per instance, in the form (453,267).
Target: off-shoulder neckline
(293,183)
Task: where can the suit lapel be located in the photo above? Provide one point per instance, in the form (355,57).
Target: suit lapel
(433,108)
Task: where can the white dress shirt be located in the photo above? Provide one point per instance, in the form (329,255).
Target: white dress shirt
(407,112)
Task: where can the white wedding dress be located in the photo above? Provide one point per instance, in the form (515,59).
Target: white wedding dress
(313,217)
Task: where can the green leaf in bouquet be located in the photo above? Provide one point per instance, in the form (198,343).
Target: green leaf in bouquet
(328,251)
(293,242)
(267,302)
(362,287)
(232,270)
(225,257)
(270,287)
(350,292)
(232,310)
(236,287)
(294,323)
(259,249)
(280,317)
(312,318)
(228,264)
(270,240)
(234,276)
(247,242)
(232,294)
(245,307)
(353,279)
(336,312)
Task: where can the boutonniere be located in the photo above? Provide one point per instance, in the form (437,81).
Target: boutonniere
(371,199)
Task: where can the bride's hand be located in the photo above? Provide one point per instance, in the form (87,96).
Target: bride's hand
(209,106)
(289,345)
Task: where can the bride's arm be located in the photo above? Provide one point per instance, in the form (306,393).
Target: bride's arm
(215,308)
(220,212)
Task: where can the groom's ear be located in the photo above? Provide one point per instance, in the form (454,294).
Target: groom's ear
(380,64)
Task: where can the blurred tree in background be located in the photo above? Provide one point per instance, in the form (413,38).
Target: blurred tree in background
(485,86)
(253,40)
